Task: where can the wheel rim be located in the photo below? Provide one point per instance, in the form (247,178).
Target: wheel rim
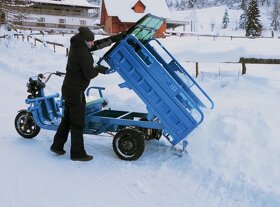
(26,128)
(127,145)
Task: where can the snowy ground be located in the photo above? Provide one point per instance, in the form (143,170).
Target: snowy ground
(232,160)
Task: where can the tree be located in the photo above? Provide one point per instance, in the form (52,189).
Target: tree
(242,21)
(13,11)
(187,4)
(191,4)
(275,23)
(225,20)
(263,1)
(243,5)
(184,4)
(253,25)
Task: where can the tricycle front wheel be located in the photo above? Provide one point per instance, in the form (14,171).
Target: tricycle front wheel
(129,144)
(25,125)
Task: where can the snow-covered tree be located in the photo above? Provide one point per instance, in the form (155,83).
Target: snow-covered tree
(191,3)
(242,21)
(253,24)
(225,20)
(187,4)
(265,1)
(275,23)
(183,5)
(243,5)
(11,11)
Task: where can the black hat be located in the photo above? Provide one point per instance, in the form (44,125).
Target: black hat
(86,34)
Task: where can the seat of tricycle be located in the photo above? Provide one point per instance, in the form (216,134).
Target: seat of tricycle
(94,104)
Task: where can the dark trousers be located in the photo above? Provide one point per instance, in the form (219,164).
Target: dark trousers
(73,120)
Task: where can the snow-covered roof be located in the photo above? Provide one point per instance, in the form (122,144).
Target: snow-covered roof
(81,3)
(123,9)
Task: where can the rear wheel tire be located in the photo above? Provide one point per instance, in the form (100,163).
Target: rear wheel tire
(129,144)
(25,125)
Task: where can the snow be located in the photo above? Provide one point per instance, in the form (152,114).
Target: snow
(213,50)
(209,20)
(82,3)
(232,158)
(125,13)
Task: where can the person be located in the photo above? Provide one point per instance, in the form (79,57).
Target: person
(79,71)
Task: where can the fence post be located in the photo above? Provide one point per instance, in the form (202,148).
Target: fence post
(196,69)
(67,52)
(243,69)
(54,48)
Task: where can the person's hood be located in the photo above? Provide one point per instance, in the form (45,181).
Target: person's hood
(77,41)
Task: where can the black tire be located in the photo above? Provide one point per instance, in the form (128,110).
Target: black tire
(25,125)
(129,144)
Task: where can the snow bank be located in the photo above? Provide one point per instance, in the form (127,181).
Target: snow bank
(232,159)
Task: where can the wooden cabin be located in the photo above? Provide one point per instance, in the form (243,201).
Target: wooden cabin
(118,16)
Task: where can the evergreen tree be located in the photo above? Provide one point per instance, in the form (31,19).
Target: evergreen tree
(243,5)
(225,20)
(253,25)
(187,4)
(275,23)
(191,4)
(242,21)
(184,4)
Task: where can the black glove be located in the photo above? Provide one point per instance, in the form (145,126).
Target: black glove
(101,69)
(118,37)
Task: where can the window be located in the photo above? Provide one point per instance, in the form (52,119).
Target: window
(62,21)
(83,23)
(41,19)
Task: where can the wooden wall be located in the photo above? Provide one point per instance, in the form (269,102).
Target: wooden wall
(113,25)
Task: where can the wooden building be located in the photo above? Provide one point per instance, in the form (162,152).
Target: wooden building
(55,15)
(120,15)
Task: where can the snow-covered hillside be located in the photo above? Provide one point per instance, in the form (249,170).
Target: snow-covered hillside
(232,159)
(209,21)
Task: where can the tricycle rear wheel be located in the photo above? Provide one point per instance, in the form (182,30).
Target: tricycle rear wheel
(129,144)
(25,125)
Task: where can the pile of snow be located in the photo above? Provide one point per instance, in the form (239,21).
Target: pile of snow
(232,159)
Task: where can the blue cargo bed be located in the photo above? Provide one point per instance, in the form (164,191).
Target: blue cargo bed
(166,88)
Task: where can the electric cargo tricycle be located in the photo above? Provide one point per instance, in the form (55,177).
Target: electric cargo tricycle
(173,99)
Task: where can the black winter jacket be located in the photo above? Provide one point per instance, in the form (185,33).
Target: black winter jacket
(80,69)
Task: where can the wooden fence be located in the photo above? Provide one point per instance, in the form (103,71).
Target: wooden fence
(183,34)
(36,40)
(244,61)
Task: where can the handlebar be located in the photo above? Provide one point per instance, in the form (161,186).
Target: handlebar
(57,73)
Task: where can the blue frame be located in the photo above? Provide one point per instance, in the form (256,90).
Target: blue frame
(167,96)
(47,112)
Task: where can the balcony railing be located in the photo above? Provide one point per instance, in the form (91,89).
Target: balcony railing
(48,26)
(70,13)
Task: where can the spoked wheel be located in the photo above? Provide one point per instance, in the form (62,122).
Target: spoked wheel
(129,144)
(25,125)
